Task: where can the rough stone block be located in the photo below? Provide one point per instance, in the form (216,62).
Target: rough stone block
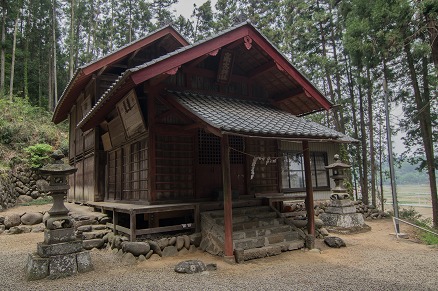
(46,250)
(341,210)
(84,263)
(93,243)
(170,251)
(341,203)
(62,266)
(36,268)
(54,236)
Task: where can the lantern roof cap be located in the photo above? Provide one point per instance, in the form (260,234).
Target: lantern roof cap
(57,167)
(338,164)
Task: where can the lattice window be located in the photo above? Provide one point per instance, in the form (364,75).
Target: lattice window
(209,149)
(238,148)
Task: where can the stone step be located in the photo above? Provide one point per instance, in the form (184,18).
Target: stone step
(261,231)
(256,223)
(267,251)
(237,218)
(262,241)
(240,211)
(95,234)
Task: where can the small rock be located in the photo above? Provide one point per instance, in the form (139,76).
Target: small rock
(13,230)
(155,247)
(35,194)
(192,249)
(24,199)
(93,243)
(172,241)
(46,216)
(141,258)
(12,220)
(186,241)
(24,228)
(179,243)
(324,231)
(149,254)
(108,237)
(319,223)
(32,218)
(195,239)
(38,227)
(136,248)
(2,229)
(164,242)
(334,242)
(316,251)
(104,220)
(84,228)
(155,257)
(190,267)
(183,251)
(170,251)
(128,259)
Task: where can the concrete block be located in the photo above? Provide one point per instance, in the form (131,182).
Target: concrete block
(36,267)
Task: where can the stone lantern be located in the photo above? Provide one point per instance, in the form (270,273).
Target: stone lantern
(61,254)
(338,168)
(340,215)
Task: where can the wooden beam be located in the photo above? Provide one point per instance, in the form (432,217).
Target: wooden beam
(309,195)
(228,203)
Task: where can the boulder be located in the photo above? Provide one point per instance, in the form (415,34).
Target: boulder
(179,243)
(323,231)
(24,199)
(170,251)
(194,266)
(172,241)
(93,243)
(136,248)
(334,242)
(42,184)
(195,239)
(319,223)
(128,259)
(186,241)
(164,242)
(12,220)
(155,247)
(141,258)
(32,218)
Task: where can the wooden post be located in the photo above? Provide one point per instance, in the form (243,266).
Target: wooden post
(228,203)
(309,195)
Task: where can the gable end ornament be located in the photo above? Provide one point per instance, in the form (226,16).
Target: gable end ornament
(172,71)
(247,40)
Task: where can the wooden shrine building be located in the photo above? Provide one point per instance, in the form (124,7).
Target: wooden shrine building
(160,129)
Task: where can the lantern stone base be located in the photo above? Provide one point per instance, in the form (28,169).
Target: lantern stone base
(64,258)
(341,217)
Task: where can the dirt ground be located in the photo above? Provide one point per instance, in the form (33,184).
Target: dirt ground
(375,260)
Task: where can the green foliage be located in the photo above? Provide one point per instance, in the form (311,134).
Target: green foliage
(409,214)
(42,201)
(412,215)
(38,154)
(23,125)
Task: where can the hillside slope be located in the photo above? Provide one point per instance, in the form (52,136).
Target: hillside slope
(23,125)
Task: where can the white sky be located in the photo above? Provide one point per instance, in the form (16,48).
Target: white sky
(185,7)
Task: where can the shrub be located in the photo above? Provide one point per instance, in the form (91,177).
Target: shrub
(38,154)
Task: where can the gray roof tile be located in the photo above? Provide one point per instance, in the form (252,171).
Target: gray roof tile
(251,117)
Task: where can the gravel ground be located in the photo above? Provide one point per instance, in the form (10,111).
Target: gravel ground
(371,261)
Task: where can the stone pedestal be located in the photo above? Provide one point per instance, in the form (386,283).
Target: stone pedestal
(60,255)
(341,217)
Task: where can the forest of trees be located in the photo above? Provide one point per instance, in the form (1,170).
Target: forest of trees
(351,49)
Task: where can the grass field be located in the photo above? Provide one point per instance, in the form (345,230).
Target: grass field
(417,196)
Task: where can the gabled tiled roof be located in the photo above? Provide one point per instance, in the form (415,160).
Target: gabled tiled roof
(253,118)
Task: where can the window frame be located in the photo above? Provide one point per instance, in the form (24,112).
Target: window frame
(314,170)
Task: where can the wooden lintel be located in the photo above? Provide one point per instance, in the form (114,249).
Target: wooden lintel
(261,69)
